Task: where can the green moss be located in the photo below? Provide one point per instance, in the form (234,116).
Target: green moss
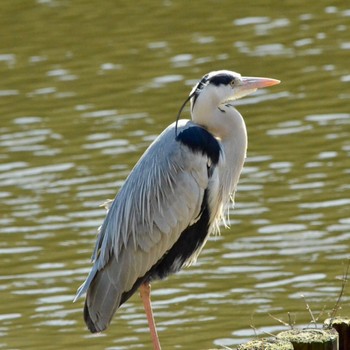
(337,321)
(267,344)
(307,336)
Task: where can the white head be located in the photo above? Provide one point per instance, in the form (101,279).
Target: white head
(216,89)
(223,86)
(211,95)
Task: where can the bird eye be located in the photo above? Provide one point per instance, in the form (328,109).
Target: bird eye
(232,83)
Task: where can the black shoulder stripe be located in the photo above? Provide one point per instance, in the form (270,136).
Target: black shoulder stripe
(197,139)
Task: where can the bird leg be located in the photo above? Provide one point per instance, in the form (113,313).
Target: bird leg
(145,294)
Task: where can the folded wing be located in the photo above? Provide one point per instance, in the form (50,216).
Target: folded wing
(157,223)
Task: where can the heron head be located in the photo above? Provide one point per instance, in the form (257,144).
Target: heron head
(220,87)
(224,86)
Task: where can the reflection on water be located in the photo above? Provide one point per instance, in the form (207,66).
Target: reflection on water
(85,89)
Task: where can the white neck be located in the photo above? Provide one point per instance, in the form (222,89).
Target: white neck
(228,126)
(234,142)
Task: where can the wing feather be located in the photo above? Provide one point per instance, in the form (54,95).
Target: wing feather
(161,197)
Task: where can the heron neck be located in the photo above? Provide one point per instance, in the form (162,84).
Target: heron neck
(234,142)
(228,126)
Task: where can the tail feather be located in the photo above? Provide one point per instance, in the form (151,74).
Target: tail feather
(108,288)
(102,301)
(88,321)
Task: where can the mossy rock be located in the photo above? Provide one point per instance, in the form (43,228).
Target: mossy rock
(311,338)
(267,344)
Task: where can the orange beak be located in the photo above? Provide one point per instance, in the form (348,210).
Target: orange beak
(249,83)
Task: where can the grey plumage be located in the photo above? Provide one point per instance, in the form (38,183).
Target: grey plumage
(149,221)
(178,191)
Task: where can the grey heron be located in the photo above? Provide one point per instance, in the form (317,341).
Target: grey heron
(173,199)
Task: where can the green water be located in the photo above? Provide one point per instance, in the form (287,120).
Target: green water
(86,86)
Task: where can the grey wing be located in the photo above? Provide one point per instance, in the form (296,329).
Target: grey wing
(161,197)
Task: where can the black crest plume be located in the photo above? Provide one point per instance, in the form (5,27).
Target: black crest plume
(194,94)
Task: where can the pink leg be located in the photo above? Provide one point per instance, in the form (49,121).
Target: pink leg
(145,294)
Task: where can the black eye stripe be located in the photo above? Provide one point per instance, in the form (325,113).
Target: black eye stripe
(222,78)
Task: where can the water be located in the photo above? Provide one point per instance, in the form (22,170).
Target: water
(86,87)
